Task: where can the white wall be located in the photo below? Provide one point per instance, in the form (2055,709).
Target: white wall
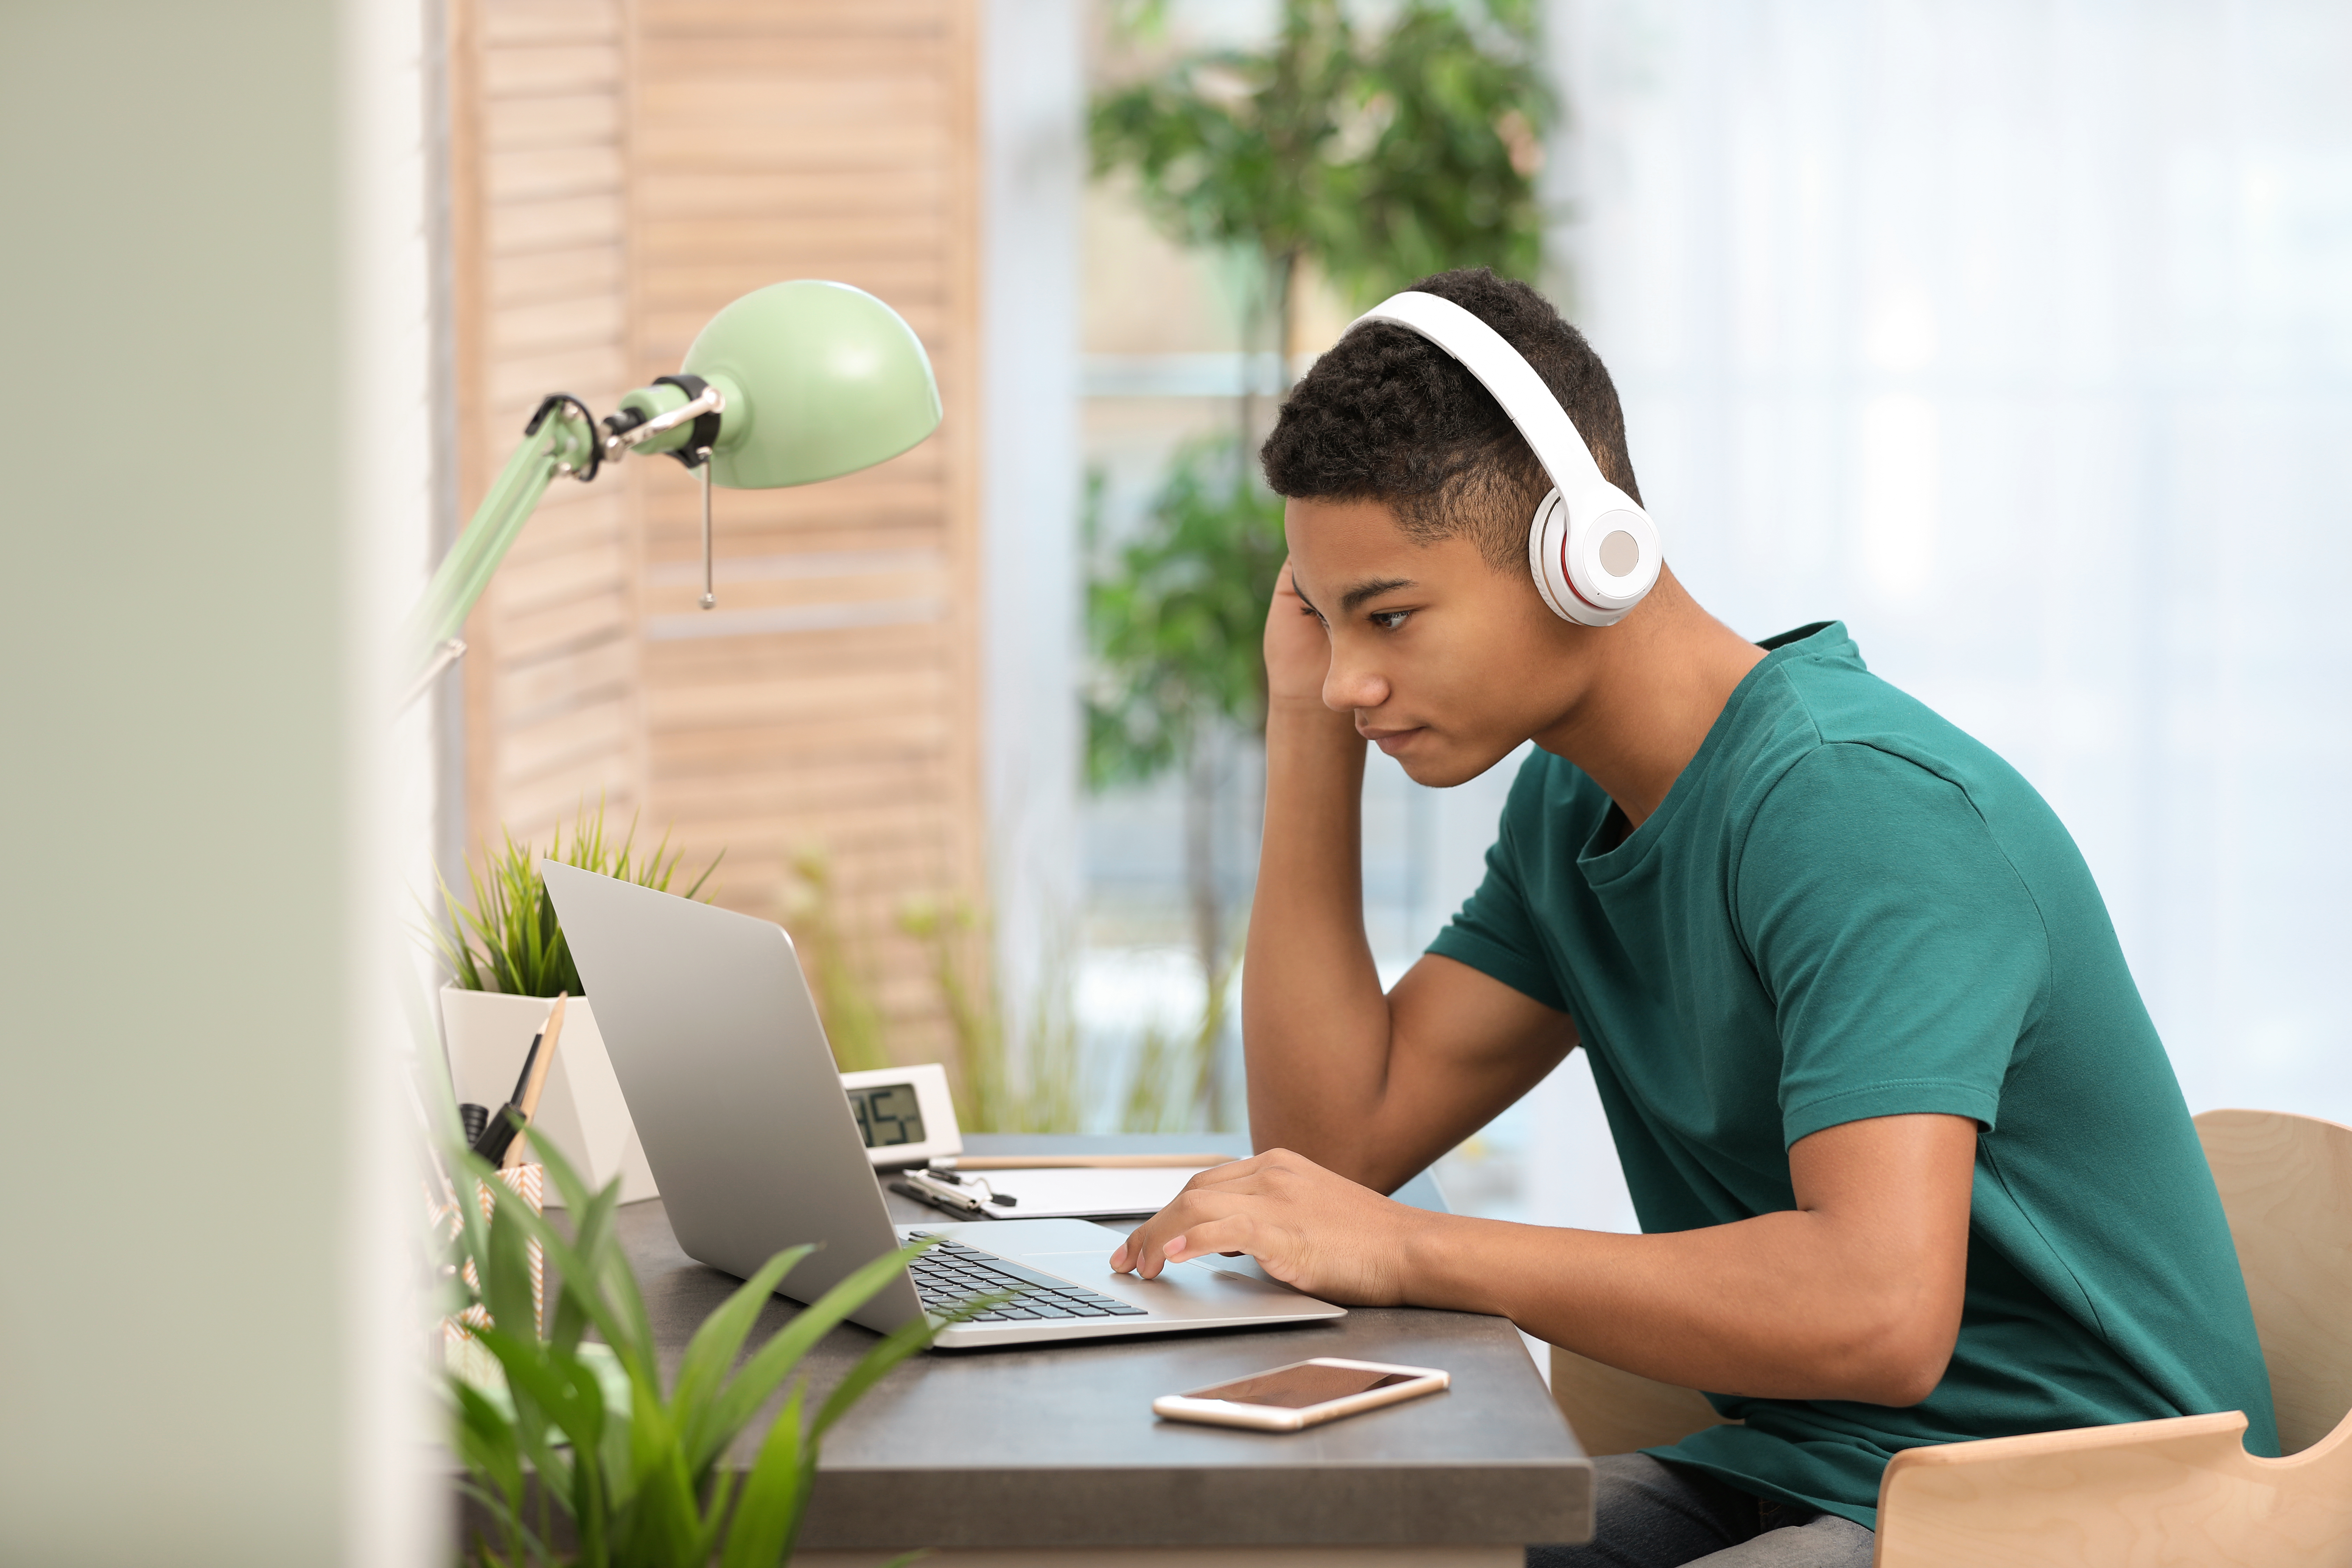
(1033,125)
(210,307)
(2017,336)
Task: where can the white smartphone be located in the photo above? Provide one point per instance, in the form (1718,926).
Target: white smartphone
(1303,1394)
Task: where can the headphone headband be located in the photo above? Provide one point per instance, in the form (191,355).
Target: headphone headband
(1592,550)
(1505,372)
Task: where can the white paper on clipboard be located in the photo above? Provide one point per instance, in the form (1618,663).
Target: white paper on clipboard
(1086,1193)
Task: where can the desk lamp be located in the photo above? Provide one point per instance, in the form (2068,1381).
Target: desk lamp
(791,384)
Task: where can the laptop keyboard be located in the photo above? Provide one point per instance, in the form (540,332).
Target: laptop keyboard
(951,1273)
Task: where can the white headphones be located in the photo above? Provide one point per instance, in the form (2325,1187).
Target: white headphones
(1593,550)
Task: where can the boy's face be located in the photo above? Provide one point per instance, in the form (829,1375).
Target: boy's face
(1446,663)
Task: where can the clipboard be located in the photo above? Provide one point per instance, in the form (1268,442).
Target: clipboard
(1058,1191)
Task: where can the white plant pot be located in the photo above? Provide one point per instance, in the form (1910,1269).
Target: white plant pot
(581,1112)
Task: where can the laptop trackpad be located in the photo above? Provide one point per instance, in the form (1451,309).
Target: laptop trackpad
(1198,1277)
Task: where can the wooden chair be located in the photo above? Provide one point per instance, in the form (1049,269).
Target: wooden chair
(2147,1492)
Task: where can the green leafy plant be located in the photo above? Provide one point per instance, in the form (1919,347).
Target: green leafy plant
(508,939)
(1374,143)
(1175,619)
(1045,1094)
(636,1468)
(1379,143)
(1176,615)
(1167,1084)
(954,943)
(845,1000)
(1042,1093)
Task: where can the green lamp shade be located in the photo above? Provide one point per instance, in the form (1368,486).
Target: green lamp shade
(821,379)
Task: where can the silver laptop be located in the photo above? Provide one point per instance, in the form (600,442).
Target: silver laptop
(734,1089)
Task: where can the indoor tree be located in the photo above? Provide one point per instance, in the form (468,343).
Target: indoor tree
(1173,618)
(1376,144)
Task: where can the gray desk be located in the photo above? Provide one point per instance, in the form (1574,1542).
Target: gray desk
(1053,1455)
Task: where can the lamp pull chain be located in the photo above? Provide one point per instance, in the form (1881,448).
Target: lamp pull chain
(710,599)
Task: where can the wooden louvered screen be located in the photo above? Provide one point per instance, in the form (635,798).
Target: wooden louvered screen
(832,698)
(539,222)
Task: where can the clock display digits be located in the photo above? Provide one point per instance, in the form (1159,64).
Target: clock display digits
(887,1114)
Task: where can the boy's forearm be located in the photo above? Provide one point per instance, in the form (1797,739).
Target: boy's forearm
(1856,1293)
(1314,1022)
(1780,1306)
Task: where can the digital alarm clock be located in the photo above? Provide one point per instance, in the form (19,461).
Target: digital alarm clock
(905,1115)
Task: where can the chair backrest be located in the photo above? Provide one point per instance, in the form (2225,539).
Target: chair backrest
(2286,1185)
(1615,1412)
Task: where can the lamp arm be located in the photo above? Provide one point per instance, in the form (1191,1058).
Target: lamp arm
(547,450)
(466,571)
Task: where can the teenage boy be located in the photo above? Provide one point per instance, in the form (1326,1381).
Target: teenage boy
(1910,1163)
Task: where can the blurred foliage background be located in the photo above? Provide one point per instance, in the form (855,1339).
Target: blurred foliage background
(1302,164)
(1369,145)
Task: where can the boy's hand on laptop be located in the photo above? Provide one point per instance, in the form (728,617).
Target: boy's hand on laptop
(1307,1228)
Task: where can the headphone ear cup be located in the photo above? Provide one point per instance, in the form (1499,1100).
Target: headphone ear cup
(1546,536)
(1555,545)
(1610,563)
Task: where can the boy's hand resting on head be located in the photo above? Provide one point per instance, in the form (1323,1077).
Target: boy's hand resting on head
(1317,1232)
(1298,649)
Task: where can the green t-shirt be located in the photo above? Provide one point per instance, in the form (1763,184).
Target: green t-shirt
(1846,908)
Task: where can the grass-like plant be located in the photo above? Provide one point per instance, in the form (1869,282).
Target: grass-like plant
(845,998)
(509,940)
(1168,1084)
(1048,1093)
(638,1470)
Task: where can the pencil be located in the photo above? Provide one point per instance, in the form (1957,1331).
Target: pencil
(527,1102)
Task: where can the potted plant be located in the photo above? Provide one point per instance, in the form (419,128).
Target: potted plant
(507,960)
(572,1437)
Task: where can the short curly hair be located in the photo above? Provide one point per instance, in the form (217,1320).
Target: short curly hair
(1388,416)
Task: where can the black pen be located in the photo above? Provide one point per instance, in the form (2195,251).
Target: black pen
(939,1197)
(507,1120)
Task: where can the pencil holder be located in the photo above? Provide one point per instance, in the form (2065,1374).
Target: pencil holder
(488,1035)
(465,1354)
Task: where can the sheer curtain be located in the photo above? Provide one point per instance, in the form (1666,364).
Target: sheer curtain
(2019,337)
